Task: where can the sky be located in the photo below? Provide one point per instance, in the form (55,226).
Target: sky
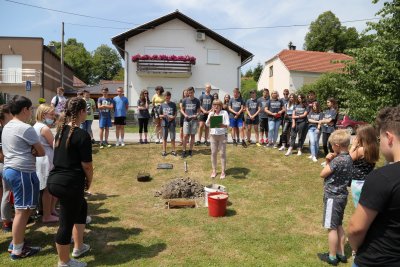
(254,15)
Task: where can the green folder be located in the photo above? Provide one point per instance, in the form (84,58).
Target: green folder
(215,121)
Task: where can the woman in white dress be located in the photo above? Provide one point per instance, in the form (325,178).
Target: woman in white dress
(45,116)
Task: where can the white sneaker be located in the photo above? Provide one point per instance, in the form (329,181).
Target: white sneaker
(88,219)
(289,152)
(79,252)
(275,146)
(117,144)
(299,153)
(282,148)
(122,144)
(72,263)
(314,159)
(310,157)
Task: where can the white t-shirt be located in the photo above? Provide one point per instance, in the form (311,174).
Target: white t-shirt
(60,105)
(225,121)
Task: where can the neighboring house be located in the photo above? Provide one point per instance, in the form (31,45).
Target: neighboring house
(25,59)
(217,60)
(95,90)
(292,69)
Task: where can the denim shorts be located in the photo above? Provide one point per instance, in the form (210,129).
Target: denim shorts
(105,122)
(25,187)
(190,127)
(236,123)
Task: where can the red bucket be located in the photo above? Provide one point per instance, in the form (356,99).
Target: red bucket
(217,203)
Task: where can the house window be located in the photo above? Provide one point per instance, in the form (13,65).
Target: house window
(213,56)
(152,50)
(12,68)
(271,71)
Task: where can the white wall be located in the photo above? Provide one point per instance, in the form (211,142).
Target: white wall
(280,79)
(222,76)
(298,79)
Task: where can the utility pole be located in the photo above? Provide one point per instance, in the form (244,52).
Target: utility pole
(62,55)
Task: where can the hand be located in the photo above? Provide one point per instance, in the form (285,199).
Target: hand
(317,131)
(330,157)
(87,184)
(34,151)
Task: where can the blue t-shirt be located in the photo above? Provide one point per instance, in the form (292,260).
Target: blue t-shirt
(236,105)
(190,106)
(120,104)
(168,109)
(262,102)
(104,113)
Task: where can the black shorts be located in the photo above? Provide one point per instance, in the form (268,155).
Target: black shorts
(181,119)
(264,124)
(203,117)
(252,122)
(120,120)
(333,212)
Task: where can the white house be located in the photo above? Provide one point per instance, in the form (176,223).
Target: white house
(292,69)
(218,60)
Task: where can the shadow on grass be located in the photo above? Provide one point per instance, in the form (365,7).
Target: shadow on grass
(99,196)
(107,254)
(347,250)
(203,151)
(238,173)
(230,212)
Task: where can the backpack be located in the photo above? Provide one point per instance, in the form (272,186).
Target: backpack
(57,100)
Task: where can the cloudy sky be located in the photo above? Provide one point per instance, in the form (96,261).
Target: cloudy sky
(253,17)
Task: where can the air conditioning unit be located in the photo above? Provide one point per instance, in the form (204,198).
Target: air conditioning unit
(200,36)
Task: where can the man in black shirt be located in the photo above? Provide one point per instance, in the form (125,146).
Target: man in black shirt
(374,229)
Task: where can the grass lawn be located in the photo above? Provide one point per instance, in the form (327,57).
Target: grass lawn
(274,216)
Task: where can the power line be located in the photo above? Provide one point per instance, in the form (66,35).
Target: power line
(220,29)
(70,13)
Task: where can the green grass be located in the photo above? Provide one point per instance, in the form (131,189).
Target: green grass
(273,219)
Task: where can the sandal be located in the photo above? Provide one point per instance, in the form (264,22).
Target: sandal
(213,174)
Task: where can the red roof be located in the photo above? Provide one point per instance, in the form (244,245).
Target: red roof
(78,83)
(312,61)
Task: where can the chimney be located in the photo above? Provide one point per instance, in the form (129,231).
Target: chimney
(52,48)
(291,46)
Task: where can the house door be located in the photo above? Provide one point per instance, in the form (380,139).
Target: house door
(12,68)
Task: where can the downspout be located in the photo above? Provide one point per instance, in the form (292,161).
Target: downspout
(42,74)
(126,69)
(238,69)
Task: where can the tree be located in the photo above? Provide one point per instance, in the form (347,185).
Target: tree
(76,55)
(257,71)
(249,73)
(326,33)
(106,63)
(120,75)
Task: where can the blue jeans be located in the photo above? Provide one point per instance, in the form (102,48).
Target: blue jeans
(87,126)
(314,140)
(354,265)
(273,130)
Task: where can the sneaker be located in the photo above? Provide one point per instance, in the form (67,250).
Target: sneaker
(262,141)
(79,252)
(207,143)
(164,154)
(213,174)
(117,144)
(341,258)
(122,144)
(7,227)
(26,252)
(102,145)
(158,141)
(93,141)
(275,146)
(173,153)
(282,148)
(10,247)
(141,141)
(299,153)
(108,145)
(258,144)
(183,154)
(234,142)
(145,141)
(198,143)
(88,219)
(222,176)
(314,159)
(310,157)
(325,258)
(244,143)
(289,152)
(72,263)
(190,153)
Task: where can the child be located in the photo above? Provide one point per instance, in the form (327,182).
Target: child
(45,116)
(253,109)
(168,112)
(105,105)
(121,106)
(336,174)
(236,109)
(365,153)
(314,127)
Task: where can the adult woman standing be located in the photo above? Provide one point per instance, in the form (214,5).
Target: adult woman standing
(218,138)
(328,123)
(72,174)
(314,126)
(274,109)
(299,125)
(143,115)
(287,122)
(45,116)
(157,100)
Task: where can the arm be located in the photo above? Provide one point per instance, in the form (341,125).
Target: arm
(88,170)
(38,150)
(46,133)
(326,171)
(258,111)
(359,225)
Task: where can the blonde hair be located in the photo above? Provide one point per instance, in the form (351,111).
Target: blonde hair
(218,102)
(340,137)
(42,110)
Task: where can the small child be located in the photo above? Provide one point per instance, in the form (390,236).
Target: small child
(336,174)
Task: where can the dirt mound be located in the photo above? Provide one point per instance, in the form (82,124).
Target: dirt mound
(181,188)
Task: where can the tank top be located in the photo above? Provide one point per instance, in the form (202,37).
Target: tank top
(361,169)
